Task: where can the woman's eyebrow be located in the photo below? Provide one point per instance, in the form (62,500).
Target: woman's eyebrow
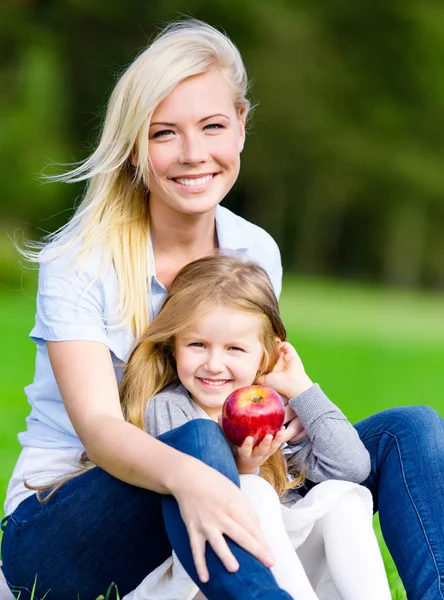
(168,124)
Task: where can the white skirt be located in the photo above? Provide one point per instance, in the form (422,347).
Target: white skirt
(171,582)
(300,518)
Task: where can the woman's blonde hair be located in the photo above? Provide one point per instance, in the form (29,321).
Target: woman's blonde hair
(199,287)
(114,213)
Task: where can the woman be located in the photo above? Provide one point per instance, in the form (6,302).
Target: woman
(168,154)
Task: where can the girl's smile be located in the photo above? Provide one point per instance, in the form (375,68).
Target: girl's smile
(221,352)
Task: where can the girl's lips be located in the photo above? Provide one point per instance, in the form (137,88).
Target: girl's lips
(213,384)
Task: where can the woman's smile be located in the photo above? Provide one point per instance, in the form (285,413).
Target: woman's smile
(196,183)
(196,137)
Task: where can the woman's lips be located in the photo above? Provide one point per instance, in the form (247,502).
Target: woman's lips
(193,185)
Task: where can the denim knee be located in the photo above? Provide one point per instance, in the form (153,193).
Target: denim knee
(204,439)
(413,420)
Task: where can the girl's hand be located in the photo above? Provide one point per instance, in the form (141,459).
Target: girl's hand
(288,376)
(294,429)
(248,459)
(212,506)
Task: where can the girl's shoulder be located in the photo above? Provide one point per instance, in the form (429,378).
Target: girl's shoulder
(168,409)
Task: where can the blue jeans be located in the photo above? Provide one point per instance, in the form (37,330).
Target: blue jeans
(407,483)
(97,530)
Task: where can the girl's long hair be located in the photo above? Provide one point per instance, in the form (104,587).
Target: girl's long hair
(114,213)
(199,287)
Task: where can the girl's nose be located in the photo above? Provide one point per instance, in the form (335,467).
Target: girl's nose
(214,363)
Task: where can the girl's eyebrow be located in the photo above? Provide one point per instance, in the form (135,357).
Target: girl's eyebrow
(167,124)
(189,334)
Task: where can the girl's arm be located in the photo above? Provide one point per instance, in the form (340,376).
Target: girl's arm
(332,448)
(210,504)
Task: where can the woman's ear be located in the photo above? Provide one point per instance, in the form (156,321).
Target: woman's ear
(134,160)
(242,124)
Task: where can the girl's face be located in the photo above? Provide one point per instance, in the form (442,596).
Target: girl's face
(196,136)
(221,352)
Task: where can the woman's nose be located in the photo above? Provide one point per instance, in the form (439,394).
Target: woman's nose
(193,150)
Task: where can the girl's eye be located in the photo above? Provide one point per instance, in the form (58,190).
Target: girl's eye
(196,344)
(237,349)
(162,133)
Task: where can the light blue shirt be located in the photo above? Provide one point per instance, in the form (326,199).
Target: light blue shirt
(71,307)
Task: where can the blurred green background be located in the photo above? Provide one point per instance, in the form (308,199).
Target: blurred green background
(343,166)
(344,161)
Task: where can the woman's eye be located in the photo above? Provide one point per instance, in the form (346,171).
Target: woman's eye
(162,133)
(214,126)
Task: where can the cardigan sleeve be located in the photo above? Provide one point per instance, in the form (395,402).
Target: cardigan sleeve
(332,448)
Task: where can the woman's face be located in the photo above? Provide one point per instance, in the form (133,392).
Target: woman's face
(196,136)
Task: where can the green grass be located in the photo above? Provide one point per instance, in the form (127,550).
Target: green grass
(370,349)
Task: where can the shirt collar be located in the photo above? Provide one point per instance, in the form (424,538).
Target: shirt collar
(230,233)
(230,236)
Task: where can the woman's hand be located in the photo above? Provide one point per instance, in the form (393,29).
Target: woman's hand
(248,459)
(288,377)
(213,506)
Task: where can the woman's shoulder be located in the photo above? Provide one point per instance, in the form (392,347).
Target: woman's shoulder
(67,267)
(240,232)
(64,254)
(239,235)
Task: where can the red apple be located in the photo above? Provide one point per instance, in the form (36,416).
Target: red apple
(255,410)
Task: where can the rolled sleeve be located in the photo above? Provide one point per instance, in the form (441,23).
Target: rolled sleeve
(70,304)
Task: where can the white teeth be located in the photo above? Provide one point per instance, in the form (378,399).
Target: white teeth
(194,182)
(218,383)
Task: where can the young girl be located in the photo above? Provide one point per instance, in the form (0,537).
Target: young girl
(220,330)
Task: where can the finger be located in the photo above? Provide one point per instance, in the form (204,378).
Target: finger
(285,400)
(197,543)
(295,426)
(278,440)
(301,435)
(264,447)
(288,348)
(293,429)
(246,449)
(255,544)
(221,548)
(289,413)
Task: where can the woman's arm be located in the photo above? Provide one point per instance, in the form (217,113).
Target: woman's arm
(85,375)
(210,504)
